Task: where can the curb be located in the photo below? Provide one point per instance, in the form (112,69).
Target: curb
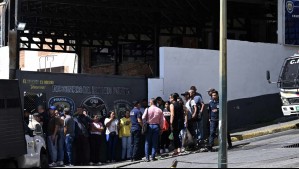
(265,132)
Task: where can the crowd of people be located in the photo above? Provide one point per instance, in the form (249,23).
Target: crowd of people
(77,138)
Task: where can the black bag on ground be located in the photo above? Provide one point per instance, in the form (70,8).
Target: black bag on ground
(188,140)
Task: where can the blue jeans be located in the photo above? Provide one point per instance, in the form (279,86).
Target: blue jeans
(213,132)
(69,140)
(52,147)
(112,142)
(152,139)
(126,148)
(60,147)
(199,129)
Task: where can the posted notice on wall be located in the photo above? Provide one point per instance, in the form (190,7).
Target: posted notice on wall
(4,62)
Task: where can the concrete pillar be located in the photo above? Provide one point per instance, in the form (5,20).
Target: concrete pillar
(281,21)
(12,40)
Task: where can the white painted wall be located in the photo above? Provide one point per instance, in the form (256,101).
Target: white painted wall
(247,66)
(33,62)
(4,63)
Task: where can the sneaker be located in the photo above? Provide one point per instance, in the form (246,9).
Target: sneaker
(154,159)
(166,150)
(70,165)
(91,163)
(161,151)
(60,163)
(99,164)
(53,165)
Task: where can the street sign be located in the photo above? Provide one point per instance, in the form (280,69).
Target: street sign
(292,22)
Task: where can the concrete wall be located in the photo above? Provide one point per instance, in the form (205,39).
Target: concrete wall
(4,63)
(247,65)
(247,84)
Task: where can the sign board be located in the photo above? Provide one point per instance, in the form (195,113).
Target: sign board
(292,22)
(97,94)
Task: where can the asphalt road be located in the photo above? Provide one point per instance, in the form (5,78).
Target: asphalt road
(262,152)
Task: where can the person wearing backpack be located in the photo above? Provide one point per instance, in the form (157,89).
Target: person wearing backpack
(197,116)
(82,137)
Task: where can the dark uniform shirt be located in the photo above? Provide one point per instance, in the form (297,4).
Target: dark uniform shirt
(135,114)
(214,105)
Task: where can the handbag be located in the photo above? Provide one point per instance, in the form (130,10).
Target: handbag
(165,125)
(145,125)
(188,140)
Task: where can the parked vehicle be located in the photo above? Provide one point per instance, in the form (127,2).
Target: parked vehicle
(288,82)
(20,147)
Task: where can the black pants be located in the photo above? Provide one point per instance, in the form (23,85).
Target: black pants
(82,150)
(136,144)
(192,127)
(165,142)
(95,148)
(176,139)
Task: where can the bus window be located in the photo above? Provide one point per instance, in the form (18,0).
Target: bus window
(13,103)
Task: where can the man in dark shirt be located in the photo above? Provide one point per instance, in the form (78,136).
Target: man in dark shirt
(214,118)
(136,120)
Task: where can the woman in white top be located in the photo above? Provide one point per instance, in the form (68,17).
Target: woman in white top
(112,125)
(95,140)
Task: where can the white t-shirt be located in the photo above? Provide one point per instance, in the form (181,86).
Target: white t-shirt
(112,127)
(192,103)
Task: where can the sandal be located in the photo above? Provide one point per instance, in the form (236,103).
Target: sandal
(175,154)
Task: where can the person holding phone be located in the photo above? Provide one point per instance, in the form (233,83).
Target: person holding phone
(112,125)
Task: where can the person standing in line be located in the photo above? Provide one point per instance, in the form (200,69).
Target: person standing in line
(125,135)
(160,103)
(229,140)
(45,117)
(53,128)
(214,118)
(153,116)
(143,105)
(136,120)
(112,128)
(198,116)
(95,141)
(82,137)
(177,120)
(165,142)
(191,109)
(69,132)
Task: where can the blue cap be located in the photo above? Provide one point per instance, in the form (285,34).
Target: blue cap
(53,108)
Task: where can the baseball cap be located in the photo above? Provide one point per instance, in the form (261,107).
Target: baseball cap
(52,108)
(185,94)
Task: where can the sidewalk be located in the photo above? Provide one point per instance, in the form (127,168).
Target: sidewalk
(278,126)
(270,129)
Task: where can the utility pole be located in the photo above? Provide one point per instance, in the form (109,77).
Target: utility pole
(222,159)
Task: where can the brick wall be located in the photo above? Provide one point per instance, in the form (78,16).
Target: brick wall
(125,69)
